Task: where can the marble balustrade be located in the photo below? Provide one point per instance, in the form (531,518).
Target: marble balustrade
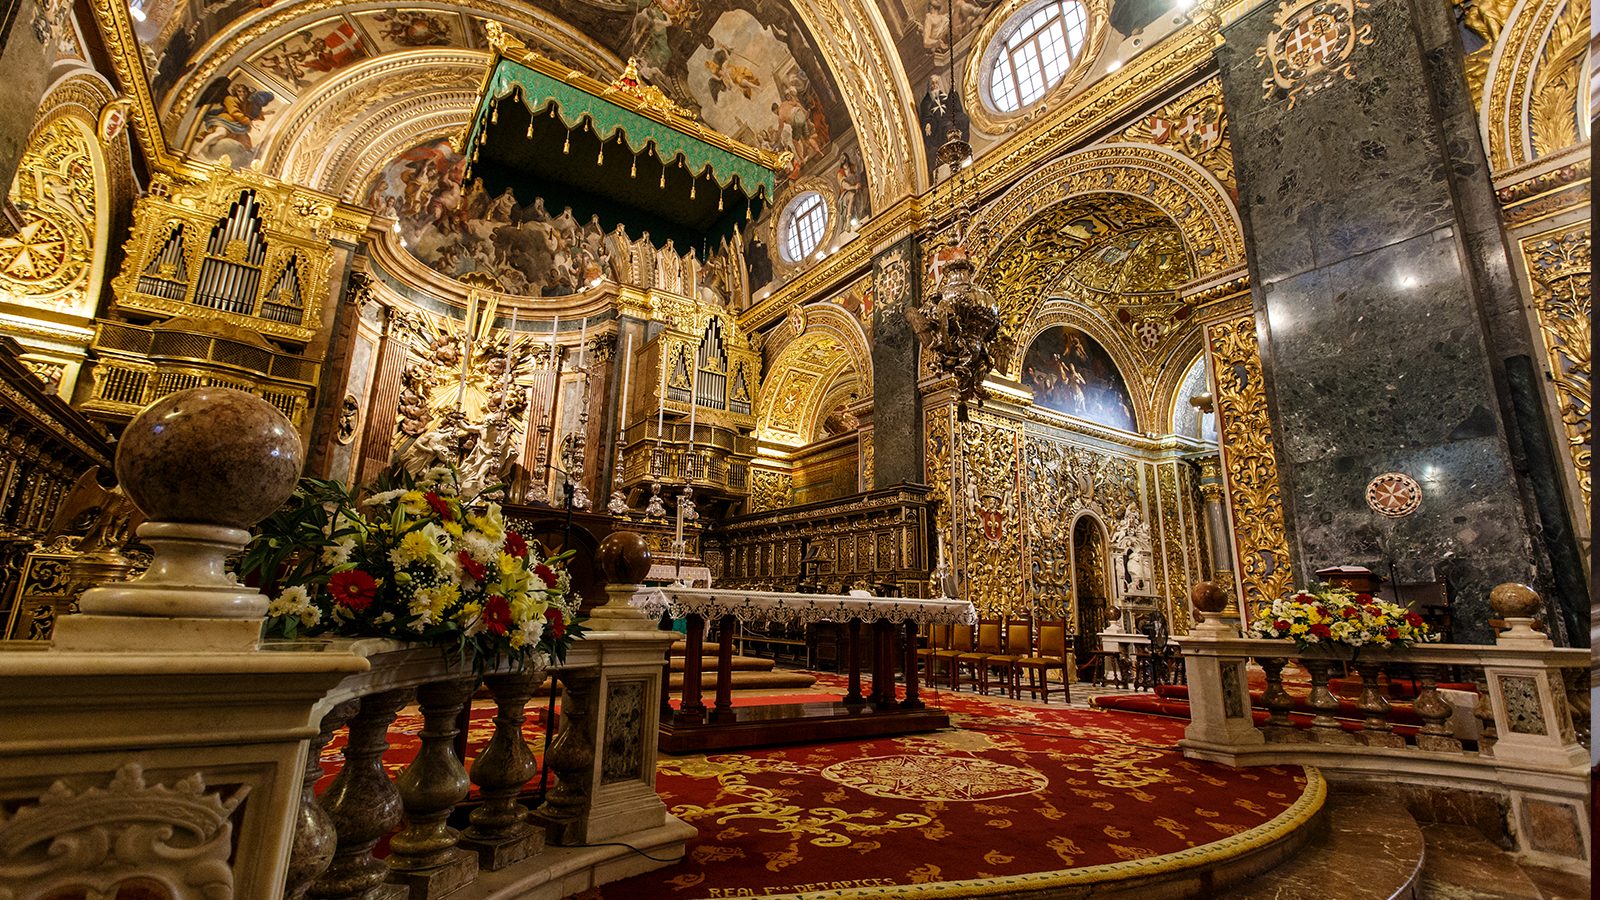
(228,746)
(1519,738)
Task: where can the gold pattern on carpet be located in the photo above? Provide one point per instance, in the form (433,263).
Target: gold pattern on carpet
(926,777)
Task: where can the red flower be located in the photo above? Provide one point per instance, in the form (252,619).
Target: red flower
(543,571)
(474,568)
(1321,630)
(1364,599)
(1391,633)
(516,545)
(1414,620)
(1349,612)
(353,589)
(554,623)
(1280,625)
(497,614)
(439,505)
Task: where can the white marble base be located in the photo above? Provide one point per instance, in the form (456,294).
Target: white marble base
(155,634)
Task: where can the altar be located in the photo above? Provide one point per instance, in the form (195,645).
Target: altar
(694,728)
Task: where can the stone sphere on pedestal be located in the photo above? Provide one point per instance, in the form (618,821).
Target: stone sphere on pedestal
(623,558)
(209,456)
(1208,600)
(1515,601)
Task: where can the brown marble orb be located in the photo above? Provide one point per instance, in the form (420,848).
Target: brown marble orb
(209,456)
(1515,601)
(1208,599)
(623,558)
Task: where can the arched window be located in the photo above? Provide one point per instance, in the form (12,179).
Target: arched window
(804,222)
(1033,51)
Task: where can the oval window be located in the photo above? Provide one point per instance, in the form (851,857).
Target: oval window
(804,222)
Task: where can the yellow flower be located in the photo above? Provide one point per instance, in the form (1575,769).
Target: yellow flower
(1299,628)
(415,546)
(492,524)
(415,502)
(454,528)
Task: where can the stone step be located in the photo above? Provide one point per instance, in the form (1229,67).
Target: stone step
(740,664)
(745,681)
(1370,849)
(1463,864)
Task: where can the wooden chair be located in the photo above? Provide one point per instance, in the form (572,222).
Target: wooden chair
(928,657)
(960,642)
(1153,663)
(976,659)
(1049,653)
(1018,646)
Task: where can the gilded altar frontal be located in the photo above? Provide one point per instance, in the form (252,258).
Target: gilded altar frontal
(1058,307)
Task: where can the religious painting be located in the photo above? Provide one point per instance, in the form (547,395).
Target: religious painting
(235,120)
(1071,373)
(311,54)
(408,29)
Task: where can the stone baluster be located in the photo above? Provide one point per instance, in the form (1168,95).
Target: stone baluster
(500,832)
(364,806)
(1434,735)
(424,855)
(1324,726)
(314,837)
(1483,711)
(1577,685)
(1376,730)
(572,759)
(1278,729)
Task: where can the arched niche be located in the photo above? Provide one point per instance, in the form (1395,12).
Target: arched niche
(1070,372)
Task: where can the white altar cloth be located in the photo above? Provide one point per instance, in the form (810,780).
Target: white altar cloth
(770,606)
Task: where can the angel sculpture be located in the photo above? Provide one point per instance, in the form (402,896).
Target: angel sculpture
(960,324)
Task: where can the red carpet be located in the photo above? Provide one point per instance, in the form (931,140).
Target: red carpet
(1013,790)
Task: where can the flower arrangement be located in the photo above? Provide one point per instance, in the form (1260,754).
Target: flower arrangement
(1335,615)
(415,562)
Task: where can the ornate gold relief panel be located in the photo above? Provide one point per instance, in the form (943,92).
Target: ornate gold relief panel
(48,262)
(992,537)
(1179,545)
(1051,498)
(1533,101)
(1249,466)
(1558,265)
(770,490)
(1195,125)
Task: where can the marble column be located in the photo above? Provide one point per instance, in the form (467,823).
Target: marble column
(1219,537)
(896,403)
(1378,277)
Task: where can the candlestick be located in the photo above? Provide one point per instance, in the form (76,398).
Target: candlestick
(619,500)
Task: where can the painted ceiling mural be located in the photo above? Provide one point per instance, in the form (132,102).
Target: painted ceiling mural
(746,68)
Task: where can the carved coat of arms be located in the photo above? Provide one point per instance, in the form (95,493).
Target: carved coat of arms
(1311,45)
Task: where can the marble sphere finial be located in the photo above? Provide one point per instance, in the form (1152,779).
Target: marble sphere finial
(1208,599)
(1515,601)
(623,558)
(209,456)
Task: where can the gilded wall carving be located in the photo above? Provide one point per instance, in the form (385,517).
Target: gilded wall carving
(1249,465)
(46,264)
(867,461)
(1195,125)
(989,517)
(1531,104)
(1179,544)
(1558,264)
(770,490)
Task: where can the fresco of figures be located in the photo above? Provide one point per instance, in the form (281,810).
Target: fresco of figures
(1071,373)
(456,229)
